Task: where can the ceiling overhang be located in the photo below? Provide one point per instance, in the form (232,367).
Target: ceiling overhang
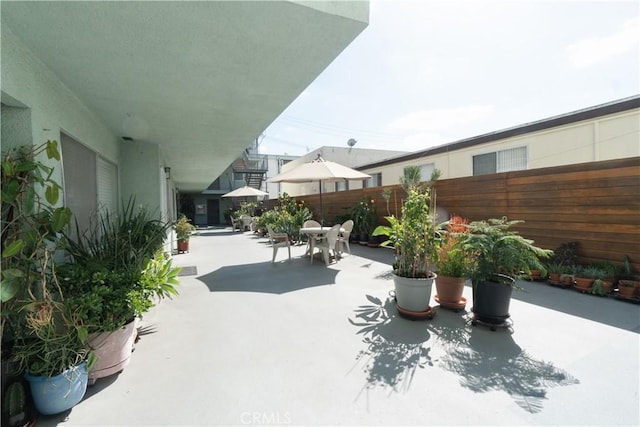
(201,79)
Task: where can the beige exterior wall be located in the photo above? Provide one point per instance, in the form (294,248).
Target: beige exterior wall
(609,137)
(351,157)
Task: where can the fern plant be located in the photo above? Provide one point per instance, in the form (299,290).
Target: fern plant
(500,250)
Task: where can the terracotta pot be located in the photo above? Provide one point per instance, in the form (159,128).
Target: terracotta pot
(567,279)
(626,291)
(536,275)
(450,289)
(554,277)
(583,283)
(113,350)
(183,246)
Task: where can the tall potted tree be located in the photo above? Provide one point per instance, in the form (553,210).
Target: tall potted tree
(415,239)
(502,256)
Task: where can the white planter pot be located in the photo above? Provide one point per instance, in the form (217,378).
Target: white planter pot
(413,294)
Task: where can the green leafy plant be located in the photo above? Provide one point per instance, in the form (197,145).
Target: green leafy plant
(590,272)
(159,279)
(183,228)
(117,268)
(414,236)
(32,301)
(287,216)
(598,288)
(364,217)
(565,254)
(56,339)
(453,259)
(500,250)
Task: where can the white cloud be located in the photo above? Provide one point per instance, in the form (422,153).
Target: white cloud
(595,50)
(441,119)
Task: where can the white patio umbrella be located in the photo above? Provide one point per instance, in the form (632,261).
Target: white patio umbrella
(319,170)
(245,191)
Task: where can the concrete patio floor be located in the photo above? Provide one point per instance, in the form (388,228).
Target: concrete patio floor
(249,342)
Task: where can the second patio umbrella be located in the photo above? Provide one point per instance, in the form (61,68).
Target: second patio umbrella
(245,191)
(322,171)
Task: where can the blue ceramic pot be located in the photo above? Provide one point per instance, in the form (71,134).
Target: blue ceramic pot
(52,395)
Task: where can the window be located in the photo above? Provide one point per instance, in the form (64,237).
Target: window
(374,181)
(512,159)
(342,185)
(426,171)
(238,176)
(90,182)
(107,186)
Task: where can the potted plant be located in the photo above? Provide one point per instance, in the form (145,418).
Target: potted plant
(502,256)
(55,354)
(585,276)
(183,229)
(568,275)
(454,266)
(628,280)
(40,330)
(363,220)
(116,273)
(555,271)
(415,239)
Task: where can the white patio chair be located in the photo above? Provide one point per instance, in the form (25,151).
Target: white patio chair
(343,238)
(311,223)
(278,240)
(328,244)
(246,222)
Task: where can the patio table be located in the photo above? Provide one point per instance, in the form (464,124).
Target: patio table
(315,232)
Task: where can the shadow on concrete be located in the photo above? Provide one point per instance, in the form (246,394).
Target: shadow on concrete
(606,310)
(382,255)
(267,277)
(396,347)
(492,361)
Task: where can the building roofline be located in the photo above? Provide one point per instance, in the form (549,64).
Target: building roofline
(600,110)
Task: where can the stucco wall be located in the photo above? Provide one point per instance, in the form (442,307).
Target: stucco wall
(139,173)
(51,108)
(609,137)
(54,108)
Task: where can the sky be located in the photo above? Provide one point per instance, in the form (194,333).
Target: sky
(426,73)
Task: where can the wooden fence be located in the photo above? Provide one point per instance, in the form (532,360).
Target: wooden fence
(596,204)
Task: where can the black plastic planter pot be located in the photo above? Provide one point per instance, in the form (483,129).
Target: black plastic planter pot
(491,299)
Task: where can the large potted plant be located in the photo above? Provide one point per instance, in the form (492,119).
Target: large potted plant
(117,271)
(415,239)
(454,265)
(502,255)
